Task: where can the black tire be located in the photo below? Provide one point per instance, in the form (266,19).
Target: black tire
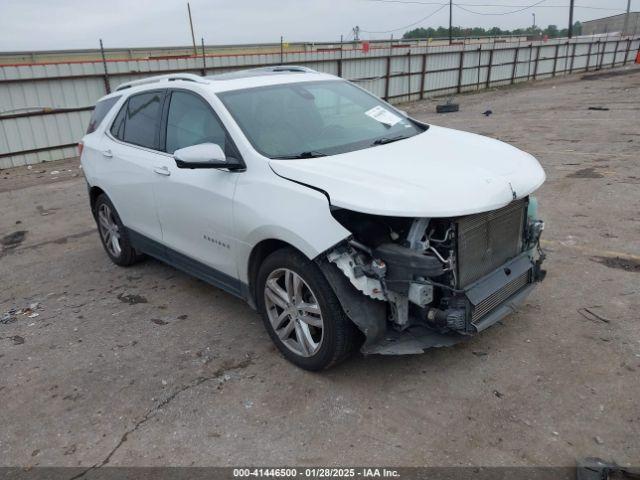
(127,255)
(340,336)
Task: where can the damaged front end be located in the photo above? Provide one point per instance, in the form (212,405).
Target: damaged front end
(411,284)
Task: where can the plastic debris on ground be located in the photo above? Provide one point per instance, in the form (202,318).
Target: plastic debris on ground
(11,315)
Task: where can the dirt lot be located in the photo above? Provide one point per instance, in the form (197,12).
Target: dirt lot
(147,366)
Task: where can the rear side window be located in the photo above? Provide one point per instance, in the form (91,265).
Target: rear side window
(138,121)
(117,129)
(100,111)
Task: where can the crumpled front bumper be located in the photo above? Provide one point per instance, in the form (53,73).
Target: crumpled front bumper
(415,340)
(490,299)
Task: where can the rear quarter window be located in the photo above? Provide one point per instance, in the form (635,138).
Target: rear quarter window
(138,121)
(100,111)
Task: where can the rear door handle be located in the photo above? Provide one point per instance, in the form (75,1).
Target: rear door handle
(162,171)
(107,153)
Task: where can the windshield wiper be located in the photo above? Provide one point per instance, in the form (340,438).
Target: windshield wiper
(310,154)
(385,140)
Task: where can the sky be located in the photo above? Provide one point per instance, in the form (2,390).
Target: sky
(27,25)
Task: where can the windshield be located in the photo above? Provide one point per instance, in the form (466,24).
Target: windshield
(314,119)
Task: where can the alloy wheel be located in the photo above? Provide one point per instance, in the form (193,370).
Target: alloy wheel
(109,230)
(294,312)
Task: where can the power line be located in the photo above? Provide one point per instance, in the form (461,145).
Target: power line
(410,25)
(417,2)
(462,6)
(499,13)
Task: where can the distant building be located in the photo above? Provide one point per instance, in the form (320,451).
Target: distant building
(613,24)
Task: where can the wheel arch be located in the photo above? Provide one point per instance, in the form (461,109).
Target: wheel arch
(94,193)
(258,254)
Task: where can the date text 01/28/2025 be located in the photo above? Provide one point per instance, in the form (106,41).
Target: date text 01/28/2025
(316,472)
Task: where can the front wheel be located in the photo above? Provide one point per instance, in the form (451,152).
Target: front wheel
(301,312)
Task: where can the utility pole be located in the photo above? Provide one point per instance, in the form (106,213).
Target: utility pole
(450,21)
(193,37)
(533,27)
(626,19)
(571,19)
(107,85)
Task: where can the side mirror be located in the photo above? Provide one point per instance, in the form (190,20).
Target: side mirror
(204,155)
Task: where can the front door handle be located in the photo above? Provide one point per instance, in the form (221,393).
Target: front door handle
(162,171)
(107,153)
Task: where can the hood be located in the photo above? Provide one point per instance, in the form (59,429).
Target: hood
(438,173)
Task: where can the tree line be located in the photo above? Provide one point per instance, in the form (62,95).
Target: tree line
(551,31)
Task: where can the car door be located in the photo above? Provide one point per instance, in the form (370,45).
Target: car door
(131,156)
(195,205)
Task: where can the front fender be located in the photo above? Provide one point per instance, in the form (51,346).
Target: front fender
(279,209)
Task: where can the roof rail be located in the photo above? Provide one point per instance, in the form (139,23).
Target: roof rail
(287,68)
(189,77)
(260,71)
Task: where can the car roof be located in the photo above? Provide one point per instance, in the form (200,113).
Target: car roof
(235,80)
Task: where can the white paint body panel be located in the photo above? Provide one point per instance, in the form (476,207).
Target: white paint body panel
(195,209)
(439,173)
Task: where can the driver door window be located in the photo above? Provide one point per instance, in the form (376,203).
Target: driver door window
(191,121)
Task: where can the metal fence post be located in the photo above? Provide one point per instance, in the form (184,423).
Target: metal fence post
(573,56)
(479,64)
(535,65)
(204,59)
(515,64)
(555,60)
(281,50)
(459,87)
(107,84)
(340,59)
(387,77)
(586,69)
(626,55)
(423,74)
(615,54)
(409,78)
(604,50)
(489,66)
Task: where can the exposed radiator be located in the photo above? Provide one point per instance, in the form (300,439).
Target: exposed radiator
(488,240)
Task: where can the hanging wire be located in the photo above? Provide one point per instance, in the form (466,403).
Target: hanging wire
(406,26)
(499,13)
(417,2)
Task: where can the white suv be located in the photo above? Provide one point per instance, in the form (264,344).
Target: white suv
(344,222)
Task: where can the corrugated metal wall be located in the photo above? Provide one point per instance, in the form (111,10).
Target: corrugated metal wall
(44,108)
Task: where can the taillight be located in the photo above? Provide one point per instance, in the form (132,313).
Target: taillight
(80,147)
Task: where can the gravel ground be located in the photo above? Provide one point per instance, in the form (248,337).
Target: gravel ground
(147,366)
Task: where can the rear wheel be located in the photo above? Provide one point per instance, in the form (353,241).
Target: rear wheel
(113,234)
(301,312)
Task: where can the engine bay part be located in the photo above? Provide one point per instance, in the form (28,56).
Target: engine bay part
(459,274)
(421,294)
(350,263)
(403,264)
